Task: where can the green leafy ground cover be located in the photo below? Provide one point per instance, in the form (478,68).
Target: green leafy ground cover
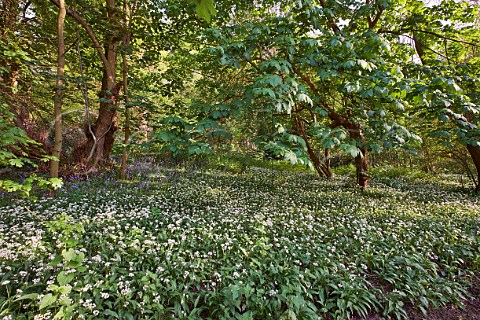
(248,243)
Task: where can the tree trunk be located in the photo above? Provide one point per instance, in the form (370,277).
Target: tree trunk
(355,132)
(105,125)
(127,37)
(57,146)
(328,160)
(361,168)
(475,154)
(123,167)
(100,144)
(321,169)
(361,160)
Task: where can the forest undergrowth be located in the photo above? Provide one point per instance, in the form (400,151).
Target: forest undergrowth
(230,241)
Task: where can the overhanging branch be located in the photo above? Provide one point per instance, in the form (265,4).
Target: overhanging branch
(403,31)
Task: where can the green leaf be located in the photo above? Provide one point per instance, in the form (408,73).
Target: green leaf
(335,42)
(104,100)
(349,64)
(112,313)
(164,136)
(216,114)
(47,300)
(302,97)
(291,156)
(443,117)
(424,301)
(60,314)
(80,256)
(400,106)
(205,9)
(351,87)
(364,64)
(74,263)
(194,150)
(350,150)
(16,162)
(56,260)
(69,255)
(321,112)
(64,278)
(327,144)
(30,296)
(64,290)
(56,183)
(375,148)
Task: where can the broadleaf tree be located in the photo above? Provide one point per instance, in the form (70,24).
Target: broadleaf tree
(340,82)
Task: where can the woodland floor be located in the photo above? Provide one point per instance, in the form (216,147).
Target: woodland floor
(234,241)
(471,310)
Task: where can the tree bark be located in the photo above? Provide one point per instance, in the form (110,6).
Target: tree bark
(101,144)
(105,125)
(321,169)
(361,160)
(328,160)
(355,132)
(361,167)
(475,154)
(57,146)
(126,140)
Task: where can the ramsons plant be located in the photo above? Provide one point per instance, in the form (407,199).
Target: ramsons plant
(202,243)
(58,301)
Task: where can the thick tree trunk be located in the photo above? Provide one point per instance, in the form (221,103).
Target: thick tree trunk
(361,160)
(327,160)
(105,125)
(361,167)
(57,146)
(355,132)
(475,154)
(321,169)
(100,144)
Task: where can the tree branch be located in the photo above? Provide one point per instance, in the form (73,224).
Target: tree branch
(373,23)
(331,22)
(419,48)
(25,8)
(402,31)
(72,13)
(331,111)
